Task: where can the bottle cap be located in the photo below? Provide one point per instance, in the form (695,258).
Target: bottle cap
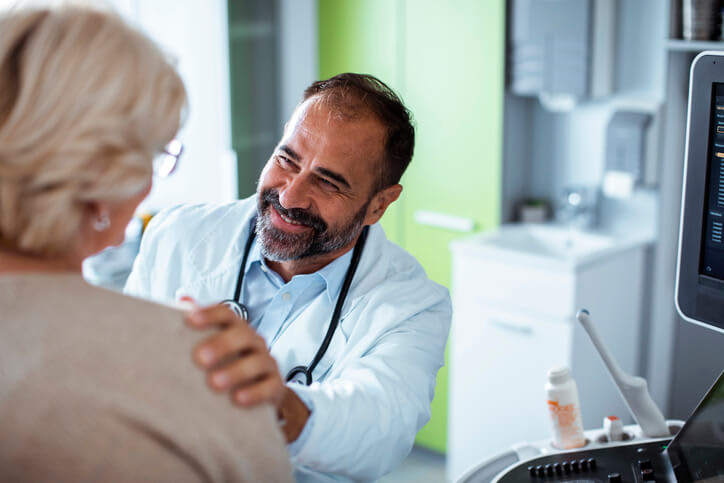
(559,375)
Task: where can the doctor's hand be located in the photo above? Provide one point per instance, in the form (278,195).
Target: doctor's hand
(236,359)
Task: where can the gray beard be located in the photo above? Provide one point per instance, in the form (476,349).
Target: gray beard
(280,246)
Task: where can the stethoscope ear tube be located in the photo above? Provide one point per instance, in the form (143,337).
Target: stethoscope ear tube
(356,255)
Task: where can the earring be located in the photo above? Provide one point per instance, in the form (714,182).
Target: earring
(102,222)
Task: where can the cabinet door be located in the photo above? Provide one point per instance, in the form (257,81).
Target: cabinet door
(498,369)
(454,85)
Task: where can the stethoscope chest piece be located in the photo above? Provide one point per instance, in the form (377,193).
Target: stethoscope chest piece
(300,370)
(238,308)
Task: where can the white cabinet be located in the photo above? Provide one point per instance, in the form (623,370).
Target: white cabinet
(515,295)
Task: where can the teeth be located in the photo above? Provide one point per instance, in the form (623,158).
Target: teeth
(291,222)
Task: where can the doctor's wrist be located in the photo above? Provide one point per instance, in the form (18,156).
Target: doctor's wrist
(293,415)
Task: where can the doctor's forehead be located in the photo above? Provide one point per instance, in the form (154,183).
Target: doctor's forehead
(318,125)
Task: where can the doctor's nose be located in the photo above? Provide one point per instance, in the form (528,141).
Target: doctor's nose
(295,194)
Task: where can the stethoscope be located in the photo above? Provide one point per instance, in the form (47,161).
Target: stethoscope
(240,309)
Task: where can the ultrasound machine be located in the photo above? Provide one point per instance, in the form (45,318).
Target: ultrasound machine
(655,449)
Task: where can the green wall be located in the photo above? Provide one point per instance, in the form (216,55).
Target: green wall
(446,59)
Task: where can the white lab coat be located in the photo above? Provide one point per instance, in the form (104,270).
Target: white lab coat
(372,389)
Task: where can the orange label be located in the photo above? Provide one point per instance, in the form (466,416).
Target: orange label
(565,415)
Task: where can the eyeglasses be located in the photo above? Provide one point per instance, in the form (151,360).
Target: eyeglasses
(165,163)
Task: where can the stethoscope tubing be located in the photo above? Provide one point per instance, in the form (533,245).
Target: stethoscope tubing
(242,311)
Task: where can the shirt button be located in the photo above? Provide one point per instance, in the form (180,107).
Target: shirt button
(286,297)
(263,268)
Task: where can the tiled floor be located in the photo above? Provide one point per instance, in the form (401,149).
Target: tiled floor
(421,466)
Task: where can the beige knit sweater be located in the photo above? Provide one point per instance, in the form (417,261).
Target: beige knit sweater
(96,386)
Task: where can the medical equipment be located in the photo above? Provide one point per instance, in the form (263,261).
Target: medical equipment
(643,452)
(647,452)
(241,310)
(633,389)
(694,454)
(700,276)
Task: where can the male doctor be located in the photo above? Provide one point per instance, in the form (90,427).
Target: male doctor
(352,390)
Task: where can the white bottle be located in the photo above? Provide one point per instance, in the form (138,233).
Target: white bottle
(565,409)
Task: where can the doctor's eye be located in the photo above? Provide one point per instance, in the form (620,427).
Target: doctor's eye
(285,162)
(328,184)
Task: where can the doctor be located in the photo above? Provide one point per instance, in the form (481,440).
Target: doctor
(344,333)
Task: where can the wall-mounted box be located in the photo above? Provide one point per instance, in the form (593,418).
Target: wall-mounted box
(562,51)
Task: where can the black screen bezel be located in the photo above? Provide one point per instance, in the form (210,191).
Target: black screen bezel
(699,297)
(677,455)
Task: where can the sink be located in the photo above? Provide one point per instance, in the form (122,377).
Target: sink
(548,241)
(549,244)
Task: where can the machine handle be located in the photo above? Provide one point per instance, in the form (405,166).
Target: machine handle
(511,327)
(633,389)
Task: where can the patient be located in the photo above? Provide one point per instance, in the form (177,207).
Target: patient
(95,386)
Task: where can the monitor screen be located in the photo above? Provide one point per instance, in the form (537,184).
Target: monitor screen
(712,251)
(700,278)
(697,451)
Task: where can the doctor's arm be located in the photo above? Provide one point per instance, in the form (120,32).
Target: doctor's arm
(157,257)
(366,414)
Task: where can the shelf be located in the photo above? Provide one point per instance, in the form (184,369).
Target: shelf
(679,45)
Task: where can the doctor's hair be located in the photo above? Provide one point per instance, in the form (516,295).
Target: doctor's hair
(354,95)
(86,103)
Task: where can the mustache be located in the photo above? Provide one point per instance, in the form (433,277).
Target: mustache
(297,215)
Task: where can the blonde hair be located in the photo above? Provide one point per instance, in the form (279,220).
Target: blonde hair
(85,104)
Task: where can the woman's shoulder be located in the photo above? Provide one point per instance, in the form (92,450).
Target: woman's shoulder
(98,352)
(71,310)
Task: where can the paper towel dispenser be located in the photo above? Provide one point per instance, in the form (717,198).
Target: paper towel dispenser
(562,51)
(625,152)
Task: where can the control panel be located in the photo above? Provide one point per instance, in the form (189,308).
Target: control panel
(642,462)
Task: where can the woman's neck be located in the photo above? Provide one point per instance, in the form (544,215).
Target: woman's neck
(13,262)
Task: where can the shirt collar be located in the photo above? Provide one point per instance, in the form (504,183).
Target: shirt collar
(332,274)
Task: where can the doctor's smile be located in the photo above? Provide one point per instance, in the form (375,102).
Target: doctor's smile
(291,234)
(294,220)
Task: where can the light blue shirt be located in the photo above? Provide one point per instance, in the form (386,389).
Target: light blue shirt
(373,388)
(273,304)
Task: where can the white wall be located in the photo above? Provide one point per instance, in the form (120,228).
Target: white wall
(194,32)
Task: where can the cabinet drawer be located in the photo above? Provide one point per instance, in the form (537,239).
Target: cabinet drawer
(498,365)
(549,292)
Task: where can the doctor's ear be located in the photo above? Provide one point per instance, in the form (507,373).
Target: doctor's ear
(380,202)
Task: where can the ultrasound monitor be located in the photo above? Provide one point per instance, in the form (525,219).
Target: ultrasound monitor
(700,272)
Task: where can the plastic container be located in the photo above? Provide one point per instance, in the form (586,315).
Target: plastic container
(564,409)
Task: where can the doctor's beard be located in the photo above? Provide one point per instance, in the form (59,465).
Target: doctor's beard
(280,246)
